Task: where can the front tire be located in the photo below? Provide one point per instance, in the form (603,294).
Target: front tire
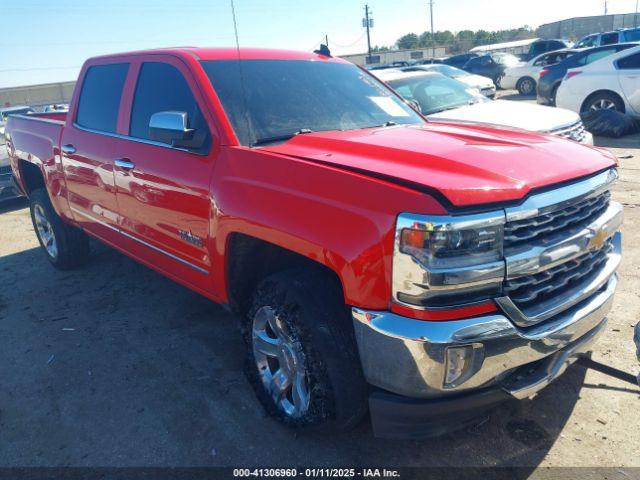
(66,247)
(302,357)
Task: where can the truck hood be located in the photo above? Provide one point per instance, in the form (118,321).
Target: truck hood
(469,165)
(508,113)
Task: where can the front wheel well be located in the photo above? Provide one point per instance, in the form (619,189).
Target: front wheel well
(251,259)
(602,92)
(32,177)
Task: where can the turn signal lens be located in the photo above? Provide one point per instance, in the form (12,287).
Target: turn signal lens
(462,363)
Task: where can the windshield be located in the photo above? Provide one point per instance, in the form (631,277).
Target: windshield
(436,93)
(449,71)
(18,111)
(275,99)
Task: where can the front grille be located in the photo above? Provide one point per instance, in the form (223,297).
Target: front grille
(575,132)
(5,170)
(532,289)
(576,215)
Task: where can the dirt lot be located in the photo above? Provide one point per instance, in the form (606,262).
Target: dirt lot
(114,365)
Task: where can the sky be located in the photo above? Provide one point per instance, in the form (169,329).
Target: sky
(46,41)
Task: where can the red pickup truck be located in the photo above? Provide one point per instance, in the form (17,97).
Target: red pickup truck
(421,272)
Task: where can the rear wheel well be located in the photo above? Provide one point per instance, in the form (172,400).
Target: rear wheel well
(601,92)
(252,259)
(31,176)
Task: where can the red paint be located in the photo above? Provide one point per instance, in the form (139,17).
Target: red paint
(445,315)
(330,196)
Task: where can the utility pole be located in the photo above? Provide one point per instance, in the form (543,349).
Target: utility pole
(368,23)
(606,10)
(433,40)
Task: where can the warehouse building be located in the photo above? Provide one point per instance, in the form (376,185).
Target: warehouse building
(578,27)
(37,95)
(381,58)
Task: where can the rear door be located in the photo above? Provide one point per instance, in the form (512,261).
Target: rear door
(628,70)
(163,191)
(88,149)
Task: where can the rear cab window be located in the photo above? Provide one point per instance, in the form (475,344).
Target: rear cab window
(99,100)
(161,87)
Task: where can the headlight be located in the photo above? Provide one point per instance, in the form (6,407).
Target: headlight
(444,261)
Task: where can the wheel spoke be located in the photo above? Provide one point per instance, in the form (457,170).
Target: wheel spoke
(279,384)
(265,344)
(299,392)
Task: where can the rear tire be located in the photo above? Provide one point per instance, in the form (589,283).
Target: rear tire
(603,101)
(526,86)
(65,246)
(310,375)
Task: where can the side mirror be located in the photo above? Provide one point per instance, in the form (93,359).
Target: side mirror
(170,127)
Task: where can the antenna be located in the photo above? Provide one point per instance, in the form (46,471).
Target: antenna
(235,27)
(241,73)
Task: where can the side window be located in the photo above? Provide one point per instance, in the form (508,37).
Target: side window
(598,55)
(588,42)
(609,38)
(160,88)
(632,62)
(542,61)
(100,97)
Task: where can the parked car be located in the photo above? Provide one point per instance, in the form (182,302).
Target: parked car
(483,84)
(444,99)
(492,66)
(624,35)
(543,46)
(56,107)
(524,77)
(376,261)
(611,83)
(430,61)
(459,61)
(552,75)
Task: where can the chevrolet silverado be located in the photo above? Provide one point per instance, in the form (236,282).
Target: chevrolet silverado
(378,262)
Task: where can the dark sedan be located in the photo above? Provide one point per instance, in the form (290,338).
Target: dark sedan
(552,75)
(491,66)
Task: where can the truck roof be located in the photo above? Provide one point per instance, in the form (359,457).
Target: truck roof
(231,53)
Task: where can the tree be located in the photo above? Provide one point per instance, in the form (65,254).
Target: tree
(408,41)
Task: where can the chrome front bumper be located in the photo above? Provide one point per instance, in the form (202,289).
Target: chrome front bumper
(408,357)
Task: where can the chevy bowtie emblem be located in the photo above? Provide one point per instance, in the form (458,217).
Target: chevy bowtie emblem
(597,241)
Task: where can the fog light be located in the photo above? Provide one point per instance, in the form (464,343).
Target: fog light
(462,363)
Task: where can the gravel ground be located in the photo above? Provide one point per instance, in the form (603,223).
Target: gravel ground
(114,365)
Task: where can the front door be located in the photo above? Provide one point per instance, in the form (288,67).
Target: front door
(163,190)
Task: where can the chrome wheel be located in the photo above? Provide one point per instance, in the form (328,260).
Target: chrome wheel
(45,231)
(280,362)
(603,104)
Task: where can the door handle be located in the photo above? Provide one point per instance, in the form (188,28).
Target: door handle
(68,149)
(124,163)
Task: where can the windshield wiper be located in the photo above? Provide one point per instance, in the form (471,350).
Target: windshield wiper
(280,138)
(388,123)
